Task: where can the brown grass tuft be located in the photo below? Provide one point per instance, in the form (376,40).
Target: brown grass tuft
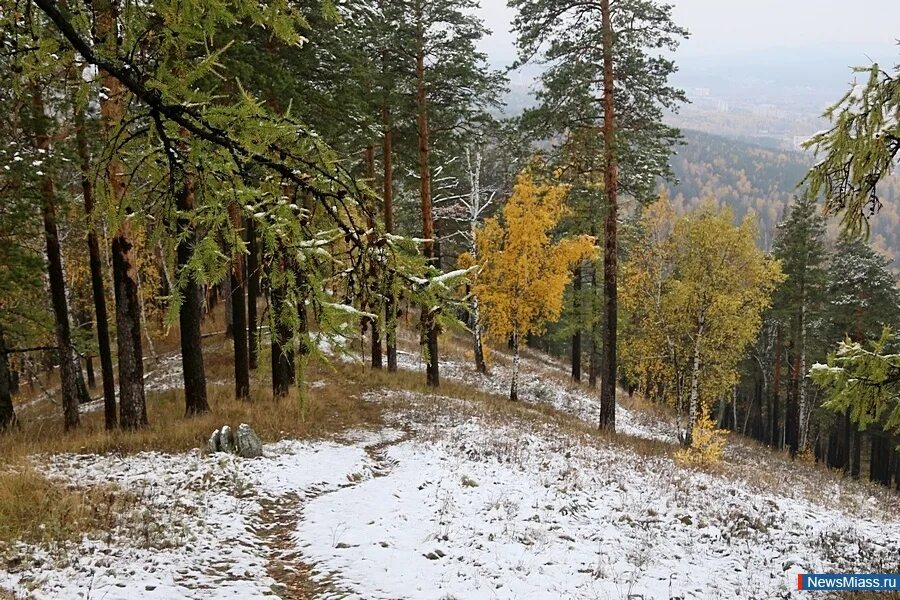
(35,509)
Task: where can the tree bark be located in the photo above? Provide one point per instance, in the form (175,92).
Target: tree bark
(66,352)
(514,386)
(854,445)
(576,337)
(802,408)
(7,412)
(880,467)
(132,403)
(694,403)
(252,294)
(373,323)
(608,367)
(429,326)
(596,332)
(775,432)
(239,312)
(282,338)
(98,289)
(390,306)
(190,314)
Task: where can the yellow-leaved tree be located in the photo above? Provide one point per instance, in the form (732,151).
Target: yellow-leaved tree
(694,290)
(523,272)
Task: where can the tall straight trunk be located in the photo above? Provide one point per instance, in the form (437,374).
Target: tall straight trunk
(896,464)
(429,325)
(239,313)
(576,337)
(190,314)
(7,412)
(132,403)
(373,323)
(840,451)
(802,408)
(475,209)
(595,345)
(514,385)
(390,305)
(792,416)
(66,352)
(282,338)
(252,293)
(694,402)
(775,438)
(880,468)
(609,363)
(229,308)
(98,289)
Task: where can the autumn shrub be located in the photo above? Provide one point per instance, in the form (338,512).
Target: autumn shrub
(707,444)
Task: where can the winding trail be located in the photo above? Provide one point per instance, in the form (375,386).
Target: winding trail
(280,517)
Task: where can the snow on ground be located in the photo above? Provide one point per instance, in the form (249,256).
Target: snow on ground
(194,530)
(503,512)
(544,382)
(453,501)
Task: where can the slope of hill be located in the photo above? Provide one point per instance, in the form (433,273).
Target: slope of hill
(461,494)
(747,177)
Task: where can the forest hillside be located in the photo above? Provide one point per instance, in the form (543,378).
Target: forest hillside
(747,177)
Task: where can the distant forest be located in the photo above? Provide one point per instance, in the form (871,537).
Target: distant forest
(748,177)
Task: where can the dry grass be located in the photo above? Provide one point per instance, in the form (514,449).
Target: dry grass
(324,411)
(34,509)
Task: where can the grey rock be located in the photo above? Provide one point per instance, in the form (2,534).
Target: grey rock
(215,442)
(226,440)
(247,443)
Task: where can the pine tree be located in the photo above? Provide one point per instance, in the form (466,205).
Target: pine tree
(586,62)
(800,246)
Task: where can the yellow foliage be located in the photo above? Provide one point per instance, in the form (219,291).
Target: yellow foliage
(695,284)
(523,272)
(707,444)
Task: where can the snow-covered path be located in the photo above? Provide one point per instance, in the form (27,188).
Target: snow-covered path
(452,499)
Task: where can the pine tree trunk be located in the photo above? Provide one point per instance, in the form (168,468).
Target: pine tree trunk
(7,412)
(190,314)
(429,325)
(880,468)
(593,363)
(390,305)
(132,404)
(576,337)
(792,416)
(775,438)
(802,408)
(66,353)
(253,294)
(514,386)
(375,339)
(98,289)
(282,339)
(609,363)
(229,307)
(854,445)
(239,312)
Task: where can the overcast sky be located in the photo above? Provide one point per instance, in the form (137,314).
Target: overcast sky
(734,27)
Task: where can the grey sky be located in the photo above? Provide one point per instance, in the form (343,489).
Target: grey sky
(728,27)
